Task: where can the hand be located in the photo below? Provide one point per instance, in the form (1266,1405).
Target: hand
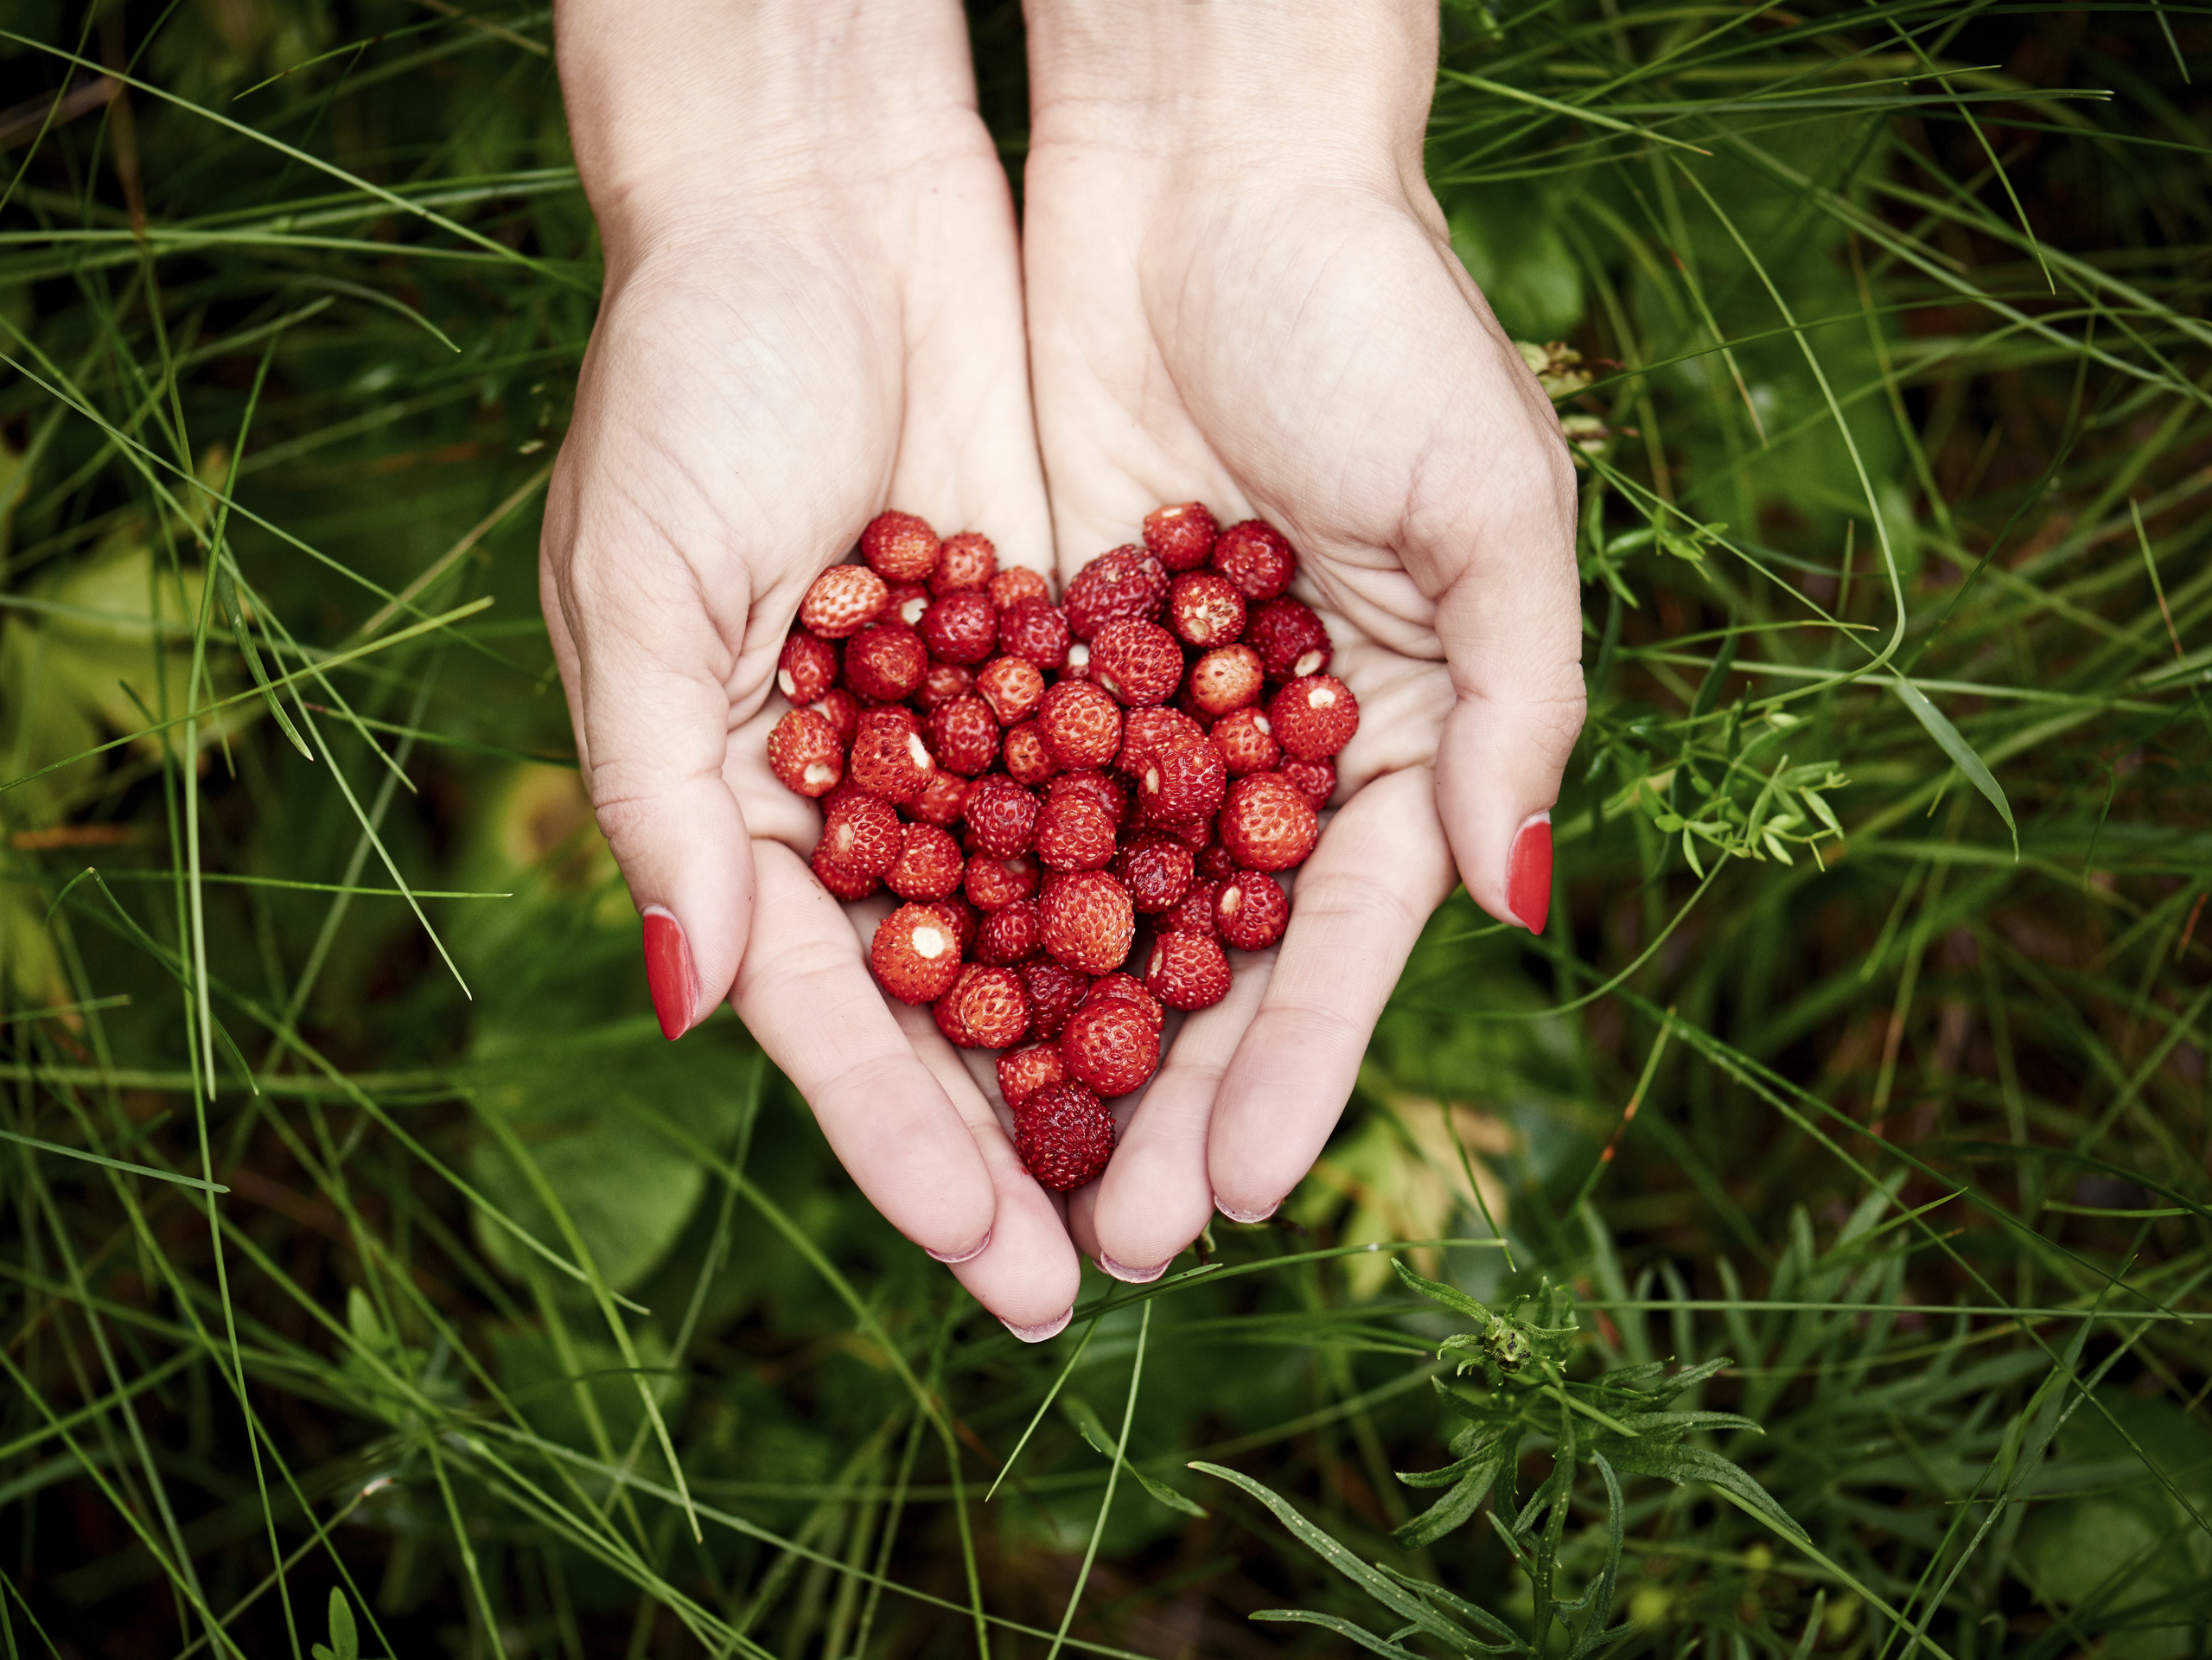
(812,309)
(1241,292)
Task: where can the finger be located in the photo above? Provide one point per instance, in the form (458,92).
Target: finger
(806,993)
(1380,868)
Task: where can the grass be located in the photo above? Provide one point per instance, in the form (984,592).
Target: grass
(368,1255)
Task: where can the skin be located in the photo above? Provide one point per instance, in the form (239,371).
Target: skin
(1239,290)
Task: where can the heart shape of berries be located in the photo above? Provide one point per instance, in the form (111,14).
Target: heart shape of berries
(1156,746)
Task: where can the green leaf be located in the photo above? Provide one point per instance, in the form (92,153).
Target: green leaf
(1961,752)
(1685,1464)
(345,1640)
(1087,1424)
(1453,1509)
(1359,1634)
(1437,1292)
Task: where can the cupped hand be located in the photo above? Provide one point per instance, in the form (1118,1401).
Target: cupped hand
(1242,305)
(825,319)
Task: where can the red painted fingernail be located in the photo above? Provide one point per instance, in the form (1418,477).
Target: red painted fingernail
(669,973)
(1528,874)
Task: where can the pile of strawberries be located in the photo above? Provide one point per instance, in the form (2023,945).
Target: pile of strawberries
(1031,778)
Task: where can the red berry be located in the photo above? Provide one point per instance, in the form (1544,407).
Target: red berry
(961,628)
(1194,912)
(1125,583)
(1252,911)
(1314,718)
(1023,1072)
(908,603)
(914,954)
(807,668)
(1182,783)
(860,843)
(1017,582)
(1139,662)
(843,599)
(941,685)
(1315,780)
(1099,786)
(1156,870)
(1064,1135)
(805,755)
(1266,825)
(1012,687)
(1074,833)
(963,736)
(899,546)
(942,800)
(1080,723)
(1002,816)
(989,1005)
(960,917)
(889,757)
(948,1016)
(885,662)
(1290,638)
(929,865)
(966,561)
(993,883)
(1205,608)
(1216,864)
(1078,666)
(1187,971)
(1143,731)
(842,710)
(1246,743)
(1008,935)
(1027,758)
(1035,630)
(1055,990)
(1229,678)
(1110,1044)
(1088,921)
(1255,556)
(1130,989)
(1181,537)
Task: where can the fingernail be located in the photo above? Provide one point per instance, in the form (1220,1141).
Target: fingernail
(959,1257)
(669,973)
(1131,1276)
(1233,1214)
(1528,874)
(1040,1333)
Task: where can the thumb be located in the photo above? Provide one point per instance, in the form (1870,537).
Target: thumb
(651,720)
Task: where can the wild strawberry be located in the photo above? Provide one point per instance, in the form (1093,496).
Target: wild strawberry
(1255,556)
(844,600)
(889,757)
(1078,666)
(899,546)
(989,1004)
(1197,835)
(1139,661)
(1252,911)
(1074,833)
(1012,687)
(1314,718)
(1023,1072)
(1182,782)
(1143,731)
(1087,921)
(1064,1135)
(1035,630)
(1156,870)
(993,883)
(1099,786)
(962,918)
(1315,780)
(961,628)
(963,736)
(1266,825)
(941,685)
(1008,935)
(1080,723)
(861,833)
(804,753)
(1206,610)
(1181,537)
(942,801)
(946,1014)
(1187,971)
(966,561)
(1109,1045)
(1027,758)
(1002,816)
(1125,583)
(842,710)
(1246,743)
(885,661)
(1216,864)
(1194,912)
(806,669)
(1289,638)
(1131,990)
(929,866)
(1229,678)
(908,603)
(1055,990)
(1017,582)
(914,954)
